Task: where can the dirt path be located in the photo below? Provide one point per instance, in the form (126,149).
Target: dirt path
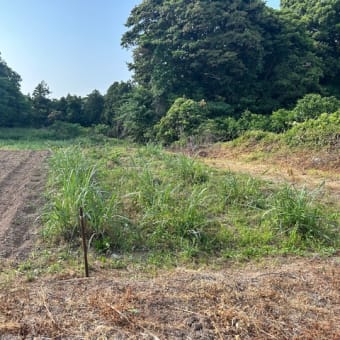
(22,179)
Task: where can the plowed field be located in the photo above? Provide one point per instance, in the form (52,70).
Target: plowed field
(22,179)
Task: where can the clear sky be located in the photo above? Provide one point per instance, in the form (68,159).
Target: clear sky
(73,45)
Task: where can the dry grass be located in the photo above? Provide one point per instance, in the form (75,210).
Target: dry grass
(275,299)
(304,168)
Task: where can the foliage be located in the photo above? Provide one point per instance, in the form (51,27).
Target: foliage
(93,107)
(281,120)
(203,51)
(14,107)
(313,105)
(117,94)
(317,133)
(322,22)
(218,129)
(63,130)
(238,53)
(183,117)
(291,67)
(41,105)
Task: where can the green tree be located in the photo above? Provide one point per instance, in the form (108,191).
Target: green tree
(59,108)
(93,107)
(41,104)
(200,49)
(136,118)
(237,52)
(313,105)
(117,94)
(14,106)
(291,67)
(74,108)
(322,22)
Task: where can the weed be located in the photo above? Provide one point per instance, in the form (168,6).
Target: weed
(157,203)
(296,213)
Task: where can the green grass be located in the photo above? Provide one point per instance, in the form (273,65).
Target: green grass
(61,135)
(145,200)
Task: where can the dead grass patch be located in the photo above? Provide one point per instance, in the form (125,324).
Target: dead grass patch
(288,299)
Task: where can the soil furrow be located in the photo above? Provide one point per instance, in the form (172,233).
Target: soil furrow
(22,178)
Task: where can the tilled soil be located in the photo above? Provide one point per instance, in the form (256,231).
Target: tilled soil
(22,180)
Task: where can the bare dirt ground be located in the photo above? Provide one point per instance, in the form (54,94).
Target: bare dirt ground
(276,298)
(22,179)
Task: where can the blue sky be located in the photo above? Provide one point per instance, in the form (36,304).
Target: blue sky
(74,45)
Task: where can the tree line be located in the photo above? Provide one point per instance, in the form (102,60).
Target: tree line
(202,66)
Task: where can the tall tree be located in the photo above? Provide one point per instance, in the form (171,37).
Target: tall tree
(201,48)
(41,104)
(93,107)
(14,108)
(74,109)
(117,94)
(322,22)
(232,51)
(291,67)
(136,117)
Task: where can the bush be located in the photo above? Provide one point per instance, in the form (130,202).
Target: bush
(317,133)
(257,137)
(313,105)
(252,121)
(219,109)
(63,130)
(183,117)
(281,120)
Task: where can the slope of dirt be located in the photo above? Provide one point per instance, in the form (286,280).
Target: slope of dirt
(286,299)
(22,179)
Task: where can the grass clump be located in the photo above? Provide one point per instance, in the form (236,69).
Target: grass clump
(147,200)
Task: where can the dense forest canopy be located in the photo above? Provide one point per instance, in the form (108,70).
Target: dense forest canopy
(231,64)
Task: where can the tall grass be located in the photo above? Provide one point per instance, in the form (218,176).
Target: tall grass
(148,200)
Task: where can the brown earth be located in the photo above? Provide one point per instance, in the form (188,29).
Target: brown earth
(22,179)
(277,298)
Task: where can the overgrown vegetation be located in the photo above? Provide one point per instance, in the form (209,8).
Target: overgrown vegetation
(211,71)
(147,200)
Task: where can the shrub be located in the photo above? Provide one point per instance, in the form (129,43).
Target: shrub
(252,121)
(313,105)
(317,133)
(218,109)
(183,117)
(63,130)
(281,120)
